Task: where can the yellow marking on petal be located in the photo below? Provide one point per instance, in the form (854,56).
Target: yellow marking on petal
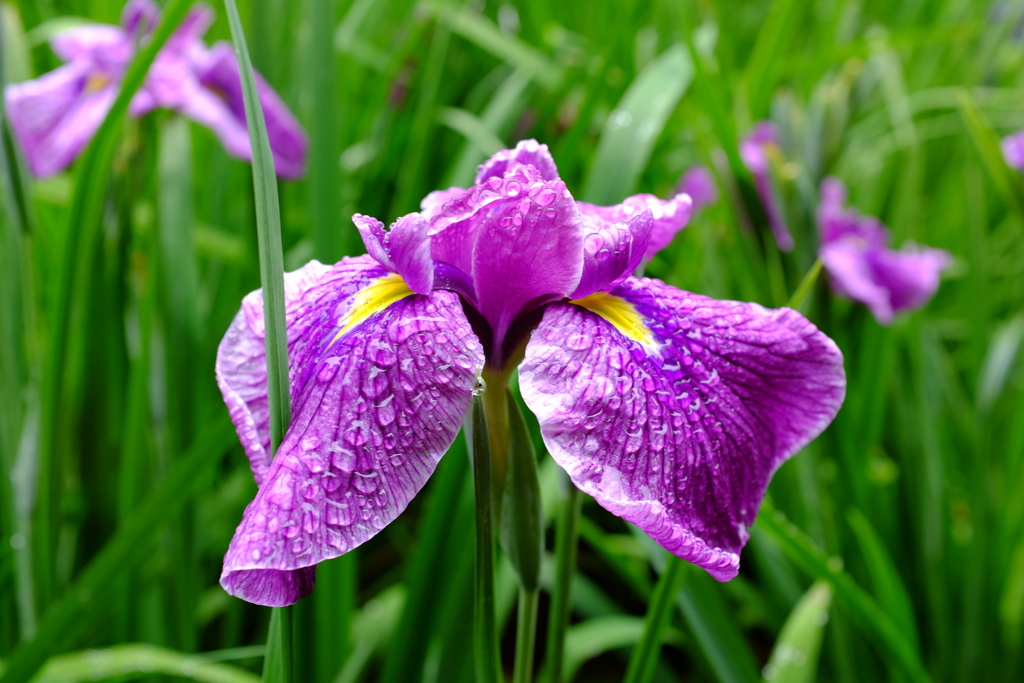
(375,297)
(620,313)
(96,82)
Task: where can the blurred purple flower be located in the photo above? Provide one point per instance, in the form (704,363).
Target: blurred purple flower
(671,409)
(1013,149)
(699,184)
(54,116)
(855,252)
(754,152)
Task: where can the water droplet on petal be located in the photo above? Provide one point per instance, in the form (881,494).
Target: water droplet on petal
(545,197)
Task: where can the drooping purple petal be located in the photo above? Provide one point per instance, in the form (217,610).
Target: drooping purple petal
(373,410)
(222,109)
(854,251)
(405,249)
(753,151)
(700,185)
(1013,149)
(680,433)
(519,238)
(55,116)
(669,216)
(849,268)
(611,251)
(527,152)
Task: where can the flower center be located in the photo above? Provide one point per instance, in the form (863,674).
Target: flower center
(375,297)
(96,82)
(621,314)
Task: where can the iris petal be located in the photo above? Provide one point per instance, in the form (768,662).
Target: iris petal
(526,153)
(612,251)
(681,437)
(405,249)
(669,216)
(520,240)
(373,410)
(55,115)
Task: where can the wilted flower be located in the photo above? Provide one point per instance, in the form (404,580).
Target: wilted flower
(671,409)
(54,116)
(854,250)
(754,152)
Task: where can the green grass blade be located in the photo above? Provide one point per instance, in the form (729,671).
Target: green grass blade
(715,633)
(869,616)
(138,661)
(795,655)
(566,549)
(634,126)
(885,577)
(485,34)
(776,32)
(644,659)
(596,636)
(1007,181)
(86,598)
(84,222)
(278,665)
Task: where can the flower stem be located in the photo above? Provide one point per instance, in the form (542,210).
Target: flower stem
(526,635)
(804,288)
(485,637)
(277,666)
(566,538)
(644,659)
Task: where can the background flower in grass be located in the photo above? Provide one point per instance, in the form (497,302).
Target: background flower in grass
(699,185)
(671,409)
(855,252)
(56,115)
(754,149)
(1013,149)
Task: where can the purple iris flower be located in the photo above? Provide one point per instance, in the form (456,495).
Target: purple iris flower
(754,152)
(699,184)
(671,409)
(854,250)
(1013,149)
(54,116)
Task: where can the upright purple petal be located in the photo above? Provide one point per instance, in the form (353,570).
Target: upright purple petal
(669,216)
(753,151)
(677,424)
(55,116)
(222,109)
(87,41)
(520,241)
(700,185)
(612,251)
(139,16)
(375,403)
(526,153)
(1013,149)
(405,249)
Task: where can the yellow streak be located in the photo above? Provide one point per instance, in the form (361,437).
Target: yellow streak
(621,314)
(96,82)
(373,298)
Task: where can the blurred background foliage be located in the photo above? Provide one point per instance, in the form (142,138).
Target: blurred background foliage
(892,548)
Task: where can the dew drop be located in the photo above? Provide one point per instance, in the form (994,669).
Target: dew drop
(366,482)
(545,197)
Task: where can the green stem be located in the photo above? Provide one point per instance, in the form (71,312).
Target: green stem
(485,636)
(277,666)
(644,659)
(566,538)
(804,288)
(526,636)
